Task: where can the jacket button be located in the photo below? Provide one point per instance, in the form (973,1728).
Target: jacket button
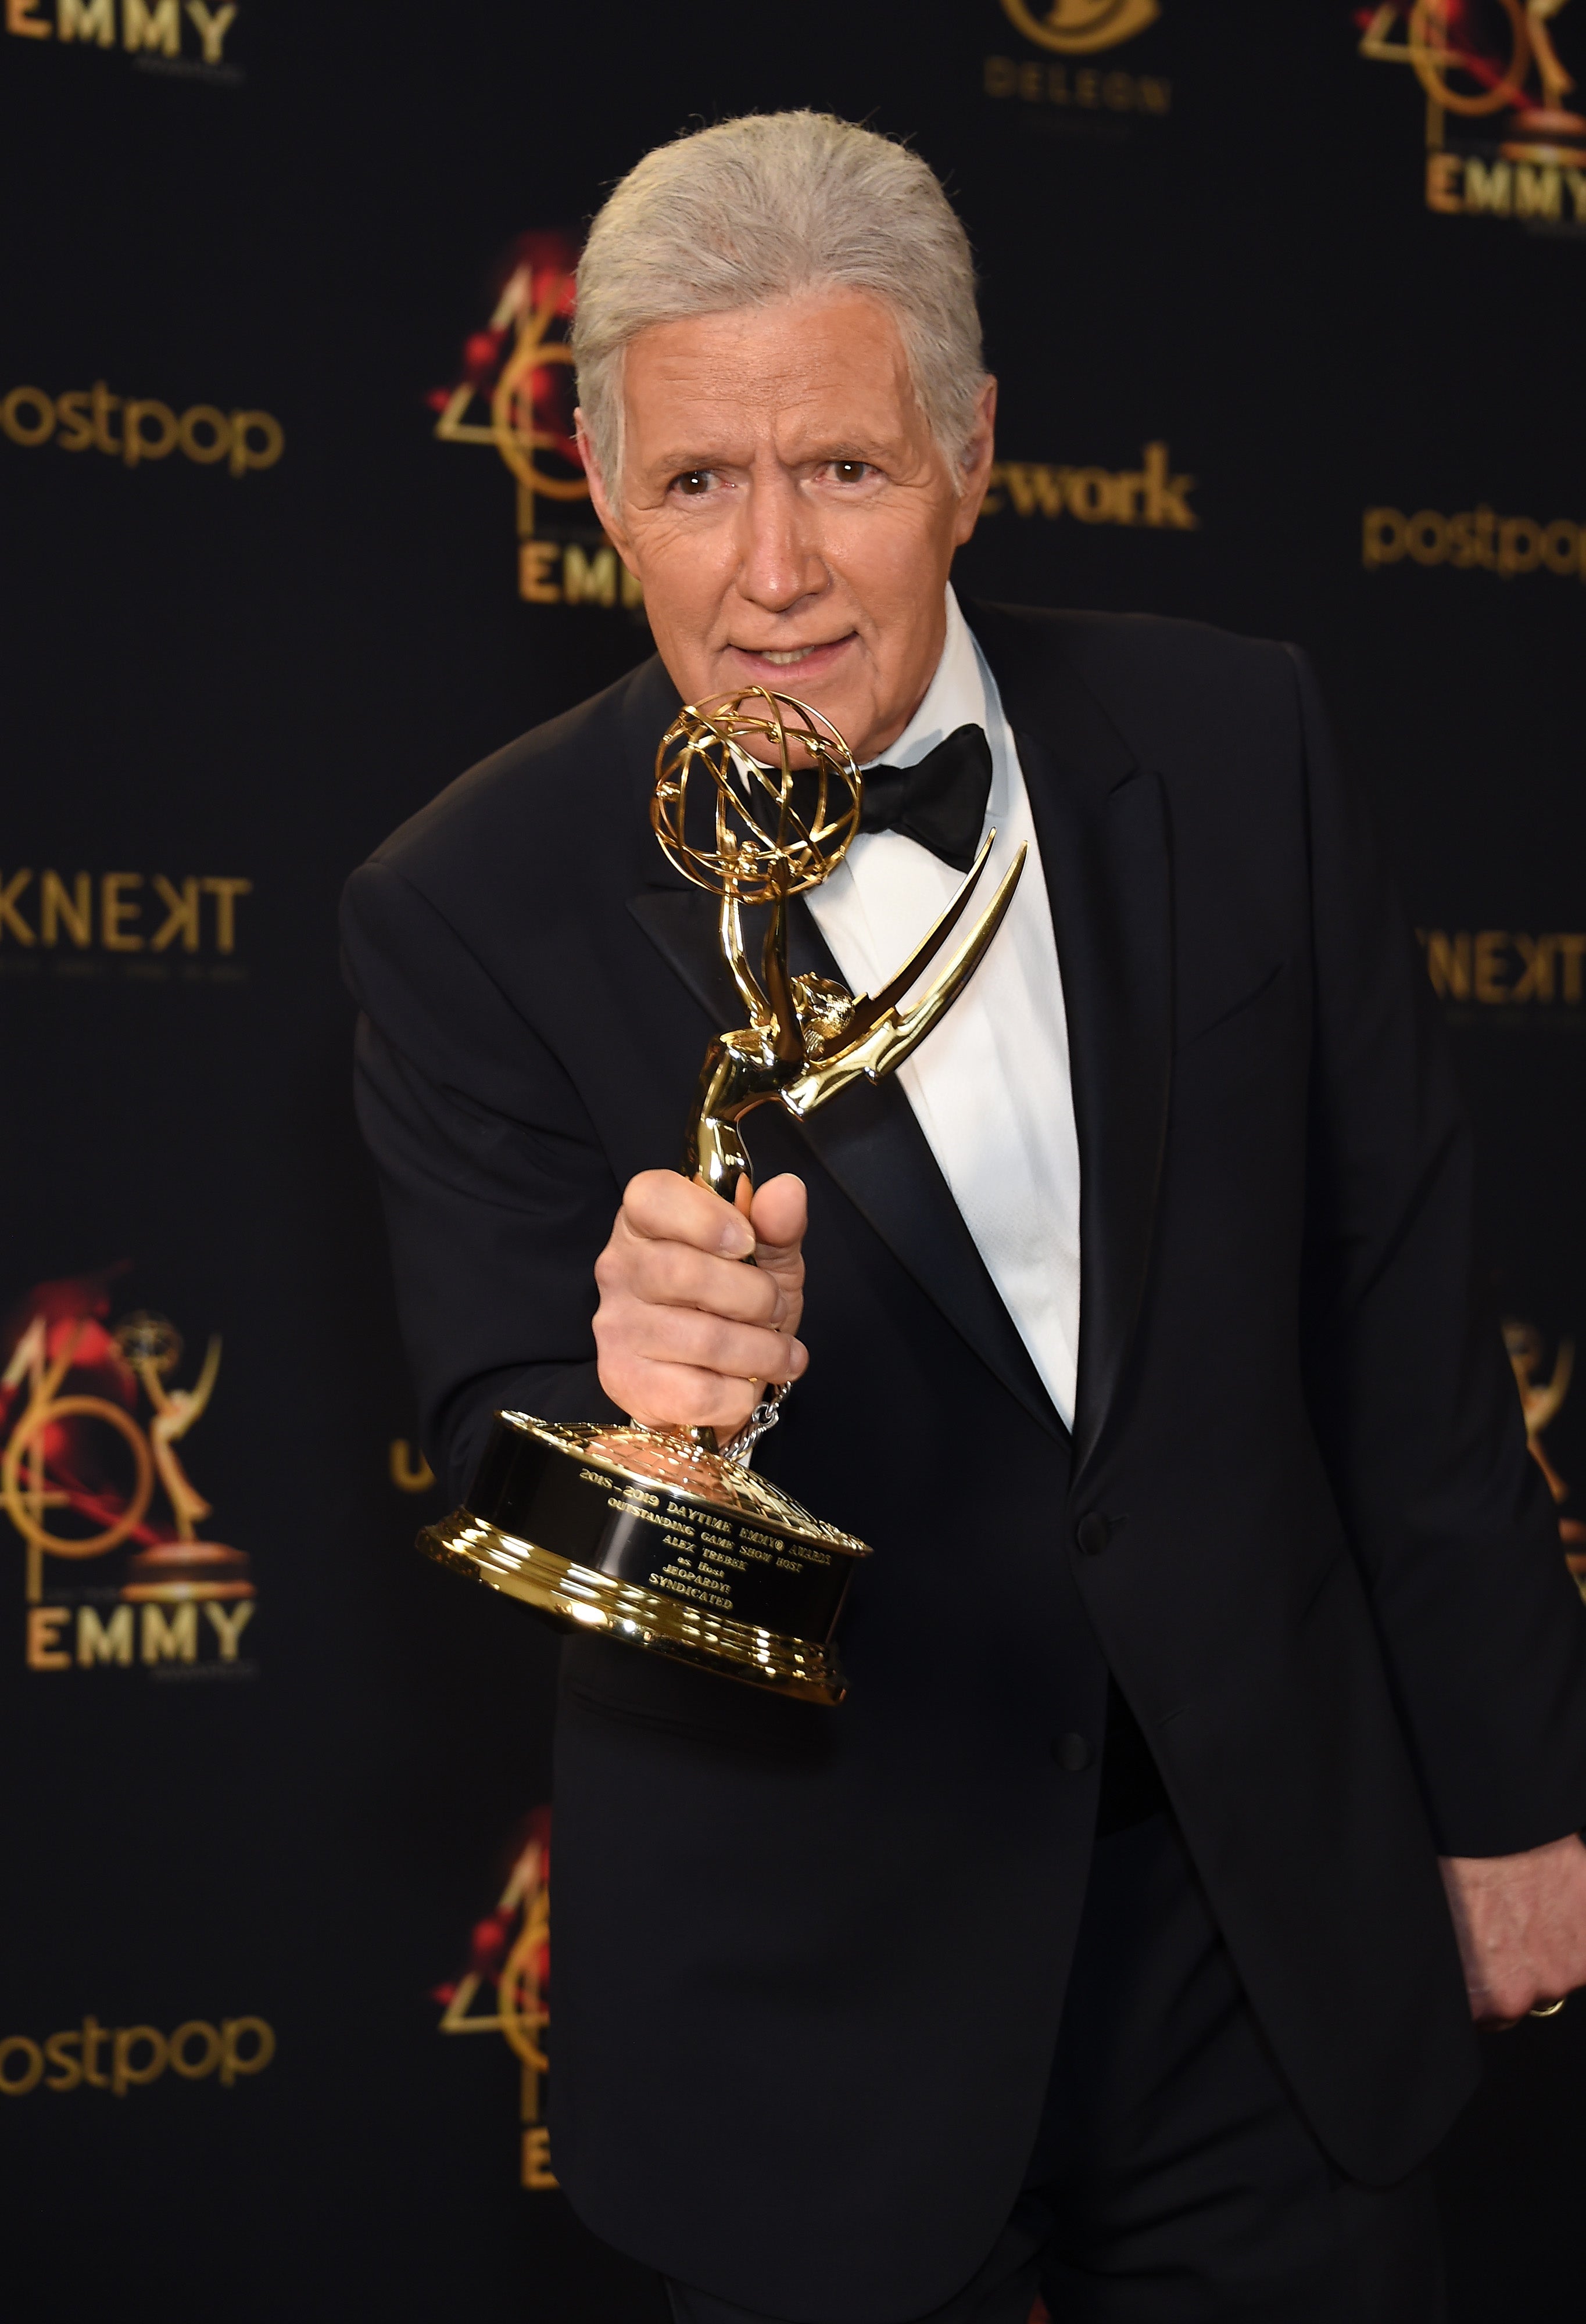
(1092,1532)
(1072,1753)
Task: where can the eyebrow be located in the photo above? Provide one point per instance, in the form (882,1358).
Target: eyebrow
(840,447)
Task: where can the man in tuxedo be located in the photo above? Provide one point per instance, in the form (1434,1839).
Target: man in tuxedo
(1098,1944)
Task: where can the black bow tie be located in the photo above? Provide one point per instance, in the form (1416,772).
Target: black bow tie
(940,802)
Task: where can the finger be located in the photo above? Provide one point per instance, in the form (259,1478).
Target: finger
(1498,2006)
(664,1206)
(674,1275)
(780,1214)
(673,1396)
(737,1351)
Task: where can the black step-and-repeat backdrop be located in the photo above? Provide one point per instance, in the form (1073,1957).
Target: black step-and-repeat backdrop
(1287,305)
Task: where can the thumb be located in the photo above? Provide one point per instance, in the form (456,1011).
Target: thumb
(779,1213)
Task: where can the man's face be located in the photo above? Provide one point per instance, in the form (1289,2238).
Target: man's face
(788,510)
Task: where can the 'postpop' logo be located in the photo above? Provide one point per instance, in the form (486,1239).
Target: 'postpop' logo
(136,429)
(1478,536)
(123,2057)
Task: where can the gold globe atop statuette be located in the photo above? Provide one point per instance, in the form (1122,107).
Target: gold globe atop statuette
(756,796)
(659,1537)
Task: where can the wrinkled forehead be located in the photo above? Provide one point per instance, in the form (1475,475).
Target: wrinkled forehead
(798,377)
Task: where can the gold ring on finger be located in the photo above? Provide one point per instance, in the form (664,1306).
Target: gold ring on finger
(1552,2009)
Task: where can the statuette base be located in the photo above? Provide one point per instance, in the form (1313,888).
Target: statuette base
(658,1545)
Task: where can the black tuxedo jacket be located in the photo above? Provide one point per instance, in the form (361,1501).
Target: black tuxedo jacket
(809,1963)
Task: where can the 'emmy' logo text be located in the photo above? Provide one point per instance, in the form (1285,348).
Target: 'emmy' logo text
(55,1642)
(552,572)
(1464,185)
(150,28)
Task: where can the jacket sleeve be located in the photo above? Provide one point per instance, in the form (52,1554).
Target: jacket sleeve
(497,1194)
(1482,1629)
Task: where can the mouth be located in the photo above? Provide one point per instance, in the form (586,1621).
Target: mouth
(811,660)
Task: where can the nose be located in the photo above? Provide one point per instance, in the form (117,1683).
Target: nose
(780,564)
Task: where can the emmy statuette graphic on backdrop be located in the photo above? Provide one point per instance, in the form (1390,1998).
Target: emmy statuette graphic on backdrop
(658,1538)
(1475,64)
(61,1484)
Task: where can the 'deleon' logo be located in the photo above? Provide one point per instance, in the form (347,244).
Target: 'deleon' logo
(1077,96)
(1076,28)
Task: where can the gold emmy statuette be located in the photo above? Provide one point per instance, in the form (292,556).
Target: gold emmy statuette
(659,1537)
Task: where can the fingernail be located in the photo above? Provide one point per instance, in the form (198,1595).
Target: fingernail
(736,1239)
(801,1359)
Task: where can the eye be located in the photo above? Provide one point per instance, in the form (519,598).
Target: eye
(693,483)
(851,472)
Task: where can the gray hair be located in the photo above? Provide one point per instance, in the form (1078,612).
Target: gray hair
(765,207)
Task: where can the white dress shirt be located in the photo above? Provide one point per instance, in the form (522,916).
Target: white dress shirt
(990,1086)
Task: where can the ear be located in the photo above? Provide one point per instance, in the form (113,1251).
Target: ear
(976,470)
(601,499)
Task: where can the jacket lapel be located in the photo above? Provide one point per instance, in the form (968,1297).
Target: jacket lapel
(1102,824)
(868,1140)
